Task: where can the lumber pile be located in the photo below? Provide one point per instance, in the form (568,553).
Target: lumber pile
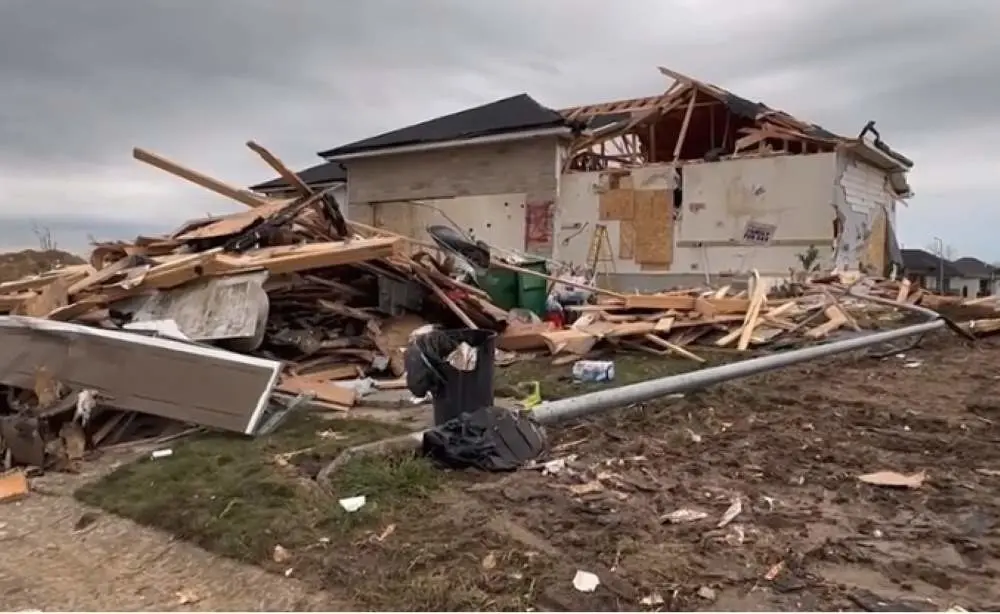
(336,301)
(678,323)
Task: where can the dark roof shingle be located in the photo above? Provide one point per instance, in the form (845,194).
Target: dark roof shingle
(328,172)
(973,267)
(514,114)
(921,261)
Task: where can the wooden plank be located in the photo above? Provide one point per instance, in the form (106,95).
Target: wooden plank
(757,302)
(97,277)
(311,256)
(682,135)
(875,257)
(904,291)
(676,349)
(287,174)
(654,240)
(243,196)
(685,303)
(52,297)
(232,224)
(617,204)
(324,391)
(626,240)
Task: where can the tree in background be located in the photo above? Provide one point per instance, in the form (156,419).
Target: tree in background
(942,250)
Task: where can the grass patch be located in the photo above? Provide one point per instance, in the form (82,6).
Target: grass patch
(630,367)
(405,549)
(241,497)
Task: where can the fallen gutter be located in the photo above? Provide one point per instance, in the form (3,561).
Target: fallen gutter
(550,412)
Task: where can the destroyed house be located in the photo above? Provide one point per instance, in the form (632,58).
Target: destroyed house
(691,185)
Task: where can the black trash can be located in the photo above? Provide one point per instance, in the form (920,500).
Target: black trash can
(454,391)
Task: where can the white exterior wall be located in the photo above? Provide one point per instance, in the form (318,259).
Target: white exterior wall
(792,193)
(970,285)
(862,191)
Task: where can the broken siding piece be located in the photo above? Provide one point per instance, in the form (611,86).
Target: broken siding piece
(163,377)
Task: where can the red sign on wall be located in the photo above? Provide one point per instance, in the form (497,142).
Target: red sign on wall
(538,225)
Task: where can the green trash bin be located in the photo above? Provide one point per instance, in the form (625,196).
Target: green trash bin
(508,289)
(532,291)
(501,285)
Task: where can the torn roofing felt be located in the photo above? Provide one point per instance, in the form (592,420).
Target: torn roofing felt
(515,114)
(321,174)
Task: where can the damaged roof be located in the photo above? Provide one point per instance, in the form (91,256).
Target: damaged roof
(514,114)
(321,174)
(757,112)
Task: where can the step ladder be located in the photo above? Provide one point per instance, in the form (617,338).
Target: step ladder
(600,255)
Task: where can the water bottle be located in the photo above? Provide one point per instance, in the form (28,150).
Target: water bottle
(594,370)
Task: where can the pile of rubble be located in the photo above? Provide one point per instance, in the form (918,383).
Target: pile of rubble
(670,323)
(211,324)
(229,322)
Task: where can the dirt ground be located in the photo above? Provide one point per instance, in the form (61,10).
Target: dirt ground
(788,445)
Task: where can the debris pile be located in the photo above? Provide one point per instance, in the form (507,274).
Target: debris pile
(212,323)
(670,323)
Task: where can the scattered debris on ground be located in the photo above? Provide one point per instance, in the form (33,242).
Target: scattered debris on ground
(631,498)
(288,304)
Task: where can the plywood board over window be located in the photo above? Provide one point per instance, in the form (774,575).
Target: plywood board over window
(626,240)
(617,204)
(875,256)
(654,236)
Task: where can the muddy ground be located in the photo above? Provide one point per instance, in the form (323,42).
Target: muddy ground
(789,445)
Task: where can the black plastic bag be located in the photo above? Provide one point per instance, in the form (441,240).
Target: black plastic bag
(490,439)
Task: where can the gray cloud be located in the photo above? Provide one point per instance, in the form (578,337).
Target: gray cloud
(86,81)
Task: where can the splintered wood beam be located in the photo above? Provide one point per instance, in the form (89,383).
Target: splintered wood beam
(682,135)
(209,183)
(291,178)
(279,167)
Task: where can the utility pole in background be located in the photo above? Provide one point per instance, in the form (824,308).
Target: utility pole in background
(940,244)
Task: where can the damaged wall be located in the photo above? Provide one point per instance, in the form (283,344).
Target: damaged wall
(735,215)
(864,201)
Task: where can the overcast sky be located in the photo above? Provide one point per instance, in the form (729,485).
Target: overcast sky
(83,82)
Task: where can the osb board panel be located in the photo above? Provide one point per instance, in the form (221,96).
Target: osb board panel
(617,205)
(654,237)
(626,240)
(654,267)
(875,248)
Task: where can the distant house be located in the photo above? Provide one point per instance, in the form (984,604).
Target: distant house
(325,176)
(964,277)
(929,270)
(978,278)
